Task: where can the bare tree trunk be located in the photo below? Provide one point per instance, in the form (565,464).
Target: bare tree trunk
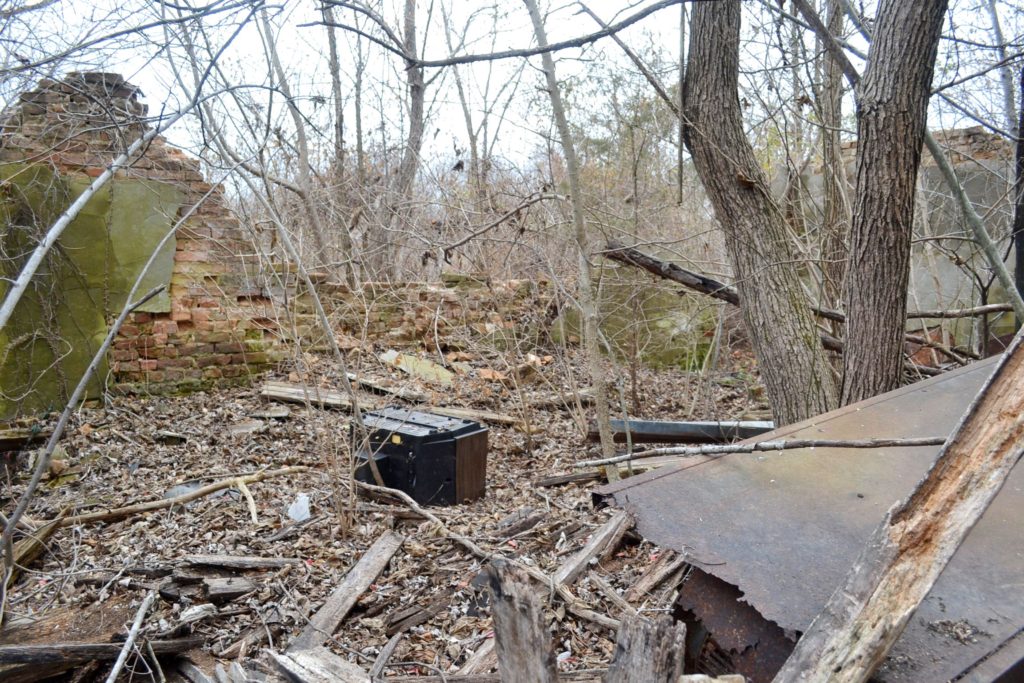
(401,189)
(835,202)
(301,144)
(586,288)
(892,108)
(1005,71)
(334,66)
(778,317)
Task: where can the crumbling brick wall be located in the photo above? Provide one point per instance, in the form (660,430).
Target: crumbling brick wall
(214,323)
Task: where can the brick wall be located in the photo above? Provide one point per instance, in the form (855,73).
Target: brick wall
(219,324)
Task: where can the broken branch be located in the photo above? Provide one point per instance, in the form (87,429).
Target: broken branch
(774,445)
(120,513)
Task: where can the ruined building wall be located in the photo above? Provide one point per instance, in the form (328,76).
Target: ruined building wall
(213,322)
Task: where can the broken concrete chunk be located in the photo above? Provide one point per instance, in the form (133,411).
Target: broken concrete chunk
(424,369)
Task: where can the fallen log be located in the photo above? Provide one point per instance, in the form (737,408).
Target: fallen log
(723,292)
(917,538)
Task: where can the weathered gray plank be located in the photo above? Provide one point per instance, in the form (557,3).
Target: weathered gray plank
(522,642)
(648,651)
(609,534)
(358,579)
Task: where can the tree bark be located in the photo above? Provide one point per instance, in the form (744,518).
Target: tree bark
(777,314)
(892,108)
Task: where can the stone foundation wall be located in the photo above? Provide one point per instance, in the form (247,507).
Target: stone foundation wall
(459,310)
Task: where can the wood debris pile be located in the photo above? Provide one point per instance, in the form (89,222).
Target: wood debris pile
(246,570)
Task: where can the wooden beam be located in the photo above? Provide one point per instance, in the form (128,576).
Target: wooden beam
(241,561)
(322,624)
(917,538)
(78,653)
(318,665)
(605,537)
(521,639)
(318,396)
(648,651)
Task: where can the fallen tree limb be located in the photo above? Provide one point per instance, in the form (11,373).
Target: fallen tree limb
(910,548)
(138,508)
(723,292)
(775,445)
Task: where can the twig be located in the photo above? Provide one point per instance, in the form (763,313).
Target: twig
(775,445)
(132,635)
(250,503)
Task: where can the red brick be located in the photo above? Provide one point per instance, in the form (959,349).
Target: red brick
(124,354)
(230,347)
(148,365)
(166,327)
(192,256)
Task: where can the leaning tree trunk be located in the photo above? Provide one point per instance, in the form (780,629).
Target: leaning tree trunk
(892,110)
(778,317)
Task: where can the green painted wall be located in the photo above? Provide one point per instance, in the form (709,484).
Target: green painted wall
(84,281)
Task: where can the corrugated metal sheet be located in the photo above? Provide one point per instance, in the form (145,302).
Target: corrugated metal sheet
(786,527)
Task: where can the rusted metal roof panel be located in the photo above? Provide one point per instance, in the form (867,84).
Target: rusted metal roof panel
(786,527)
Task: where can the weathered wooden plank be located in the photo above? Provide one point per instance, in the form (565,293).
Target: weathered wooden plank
(609,534)
(318,665)
(585,676)
(662,568)
(917,538)
(476,415)
(76,653)
(522,641)
(220,589)
(648,651)
(322,625)
(319,396)
(404,393)
(241,561)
